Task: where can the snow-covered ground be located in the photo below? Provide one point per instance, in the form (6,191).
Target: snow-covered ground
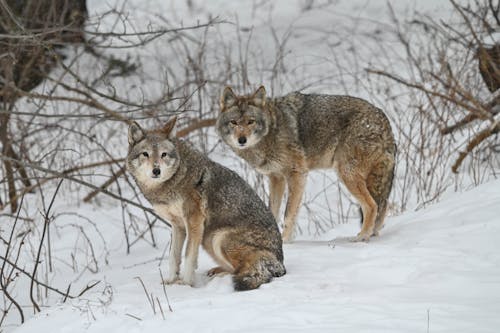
(435,270)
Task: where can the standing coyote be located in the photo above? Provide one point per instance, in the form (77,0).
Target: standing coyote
(286,137)
(216,208)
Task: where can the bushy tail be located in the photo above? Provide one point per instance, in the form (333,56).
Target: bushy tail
(260,267)
(382,192)
(379,184)
(382,199)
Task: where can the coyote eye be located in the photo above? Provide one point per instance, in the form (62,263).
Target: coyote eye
(251,121)
(163,155)
(233,122)
(145,154)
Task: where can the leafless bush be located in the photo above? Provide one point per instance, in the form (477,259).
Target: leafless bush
(28,31)
(59,120)
(16,270)
(445,105)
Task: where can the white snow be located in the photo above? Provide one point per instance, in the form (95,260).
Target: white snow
(434,270)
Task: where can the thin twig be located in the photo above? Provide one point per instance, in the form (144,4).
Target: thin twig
(45,225)
(165,291)
(150,300)
(5,260)
(132,316)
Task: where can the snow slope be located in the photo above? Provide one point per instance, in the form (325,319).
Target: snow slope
(435,270)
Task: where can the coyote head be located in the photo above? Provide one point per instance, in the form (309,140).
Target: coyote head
(152,157)
(244,120)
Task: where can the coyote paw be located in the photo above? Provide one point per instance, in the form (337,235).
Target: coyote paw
(361,237)
(187,279)
(172,280)
(178,281)
(287,238)
(185,283)
(216,271)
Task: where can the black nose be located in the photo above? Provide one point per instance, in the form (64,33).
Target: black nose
(156,171)
(242,140)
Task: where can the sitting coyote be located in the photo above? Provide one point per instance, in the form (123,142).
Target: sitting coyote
(212,204)
(286,137)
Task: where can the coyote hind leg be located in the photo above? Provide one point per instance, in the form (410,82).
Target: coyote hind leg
(356,184)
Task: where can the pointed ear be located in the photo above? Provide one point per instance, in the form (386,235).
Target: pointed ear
(135,133)
(227,99)
(259,96)
(169,126)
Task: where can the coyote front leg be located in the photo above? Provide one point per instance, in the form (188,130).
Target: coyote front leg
(174,260)
(296,183)
(276,190)
(195,230)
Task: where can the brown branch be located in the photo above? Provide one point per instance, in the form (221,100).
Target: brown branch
(480,137)
(480,112)
(6,149)
(87,184)
(9,172)
(459,124)
(105,185)
(66,172)
(89,101)
(24,175)
(467,22)
(491,106)
(194,126)
(495,11)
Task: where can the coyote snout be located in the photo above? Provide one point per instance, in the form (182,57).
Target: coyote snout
(156,172)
